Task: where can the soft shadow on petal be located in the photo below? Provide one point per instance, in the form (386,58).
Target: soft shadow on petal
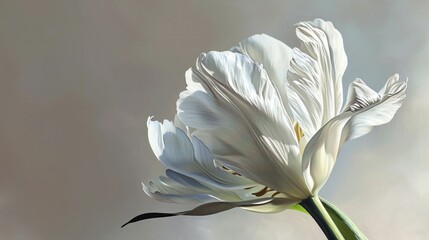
(171,146)
(189,156)
(220,178)
(181,189)
(273,54)
(369,111)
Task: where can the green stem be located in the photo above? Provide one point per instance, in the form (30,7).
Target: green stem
(343,222)
(314,206)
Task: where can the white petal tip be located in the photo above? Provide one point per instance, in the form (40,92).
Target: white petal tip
(149,120)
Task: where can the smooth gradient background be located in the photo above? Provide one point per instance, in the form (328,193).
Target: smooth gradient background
(79,78)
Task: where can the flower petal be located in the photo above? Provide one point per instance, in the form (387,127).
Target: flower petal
(366,109)
(178,123)
(217,207)
(238,114)
(366,118)
(179,188)
(193,174)
(218,176)
(360,96)
(189,157)
(315,76)
(172,147)
(273,54)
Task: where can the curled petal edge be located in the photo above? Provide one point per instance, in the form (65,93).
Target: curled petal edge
(365,113)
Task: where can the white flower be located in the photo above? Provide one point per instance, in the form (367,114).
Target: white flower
(260,126)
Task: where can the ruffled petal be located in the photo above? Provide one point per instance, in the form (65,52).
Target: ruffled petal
(315,77)
(275,57)
(365,109)
(238,114)
(381,111)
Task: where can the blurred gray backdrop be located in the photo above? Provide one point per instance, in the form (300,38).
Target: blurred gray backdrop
(79,78)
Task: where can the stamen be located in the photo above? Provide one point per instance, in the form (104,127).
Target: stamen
(275,194)
(298,132)
(264,191)
(261,193)
(230,171)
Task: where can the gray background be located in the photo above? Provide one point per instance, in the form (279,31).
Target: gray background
(79,78)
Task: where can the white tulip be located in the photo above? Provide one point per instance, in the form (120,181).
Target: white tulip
(260,126)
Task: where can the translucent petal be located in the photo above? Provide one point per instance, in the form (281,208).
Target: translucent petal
(171,146)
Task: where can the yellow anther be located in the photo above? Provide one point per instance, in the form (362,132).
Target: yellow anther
(298,132)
